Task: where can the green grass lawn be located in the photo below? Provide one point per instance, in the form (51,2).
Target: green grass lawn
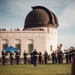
(49,69)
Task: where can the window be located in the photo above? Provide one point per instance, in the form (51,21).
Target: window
(18,44)
(4,43)
(5,46)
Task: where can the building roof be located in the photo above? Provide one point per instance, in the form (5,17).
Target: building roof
(40,17)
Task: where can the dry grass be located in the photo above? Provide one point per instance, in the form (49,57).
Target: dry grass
(49,69)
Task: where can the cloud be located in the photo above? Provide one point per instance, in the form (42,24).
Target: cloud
(16,7)
(67,17)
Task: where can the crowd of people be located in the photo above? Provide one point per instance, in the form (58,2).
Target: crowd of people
(59,56)
(35,57)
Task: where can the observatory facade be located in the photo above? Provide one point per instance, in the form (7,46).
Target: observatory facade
(40,32)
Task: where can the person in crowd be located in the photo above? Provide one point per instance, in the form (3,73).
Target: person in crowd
(53,57)
(45,57)
(31,57)
(40,57)
(35,57)
(3,57)
(17,57)
(25,57)
(11,57)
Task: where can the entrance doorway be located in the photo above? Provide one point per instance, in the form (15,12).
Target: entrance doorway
(30,48)
(30,45)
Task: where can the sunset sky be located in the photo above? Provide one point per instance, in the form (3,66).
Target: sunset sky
(14,12)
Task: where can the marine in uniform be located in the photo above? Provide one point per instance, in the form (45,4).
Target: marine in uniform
(11,57)
(17,57)
(25,57)
(3,57)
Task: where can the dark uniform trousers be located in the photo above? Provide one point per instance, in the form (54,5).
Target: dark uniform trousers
(67,58)
(17,59)
(11,60)
(40,58)
(53,60)
(45,59)
(3,60)
(59,59)
(32,60)
(25,59)
(35,59)
(70,58)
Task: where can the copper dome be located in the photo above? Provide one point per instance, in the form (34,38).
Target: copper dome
(40,17)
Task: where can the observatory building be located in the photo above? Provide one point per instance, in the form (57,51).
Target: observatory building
(39,32)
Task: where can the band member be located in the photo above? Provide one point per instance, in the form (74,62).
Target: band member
(35,56)
(45,57)
(25,57)
(11,57)
(3,57)
(40,57)
(17,57)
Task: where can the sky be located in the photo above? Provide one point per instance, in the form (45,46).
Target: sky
(14,12)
